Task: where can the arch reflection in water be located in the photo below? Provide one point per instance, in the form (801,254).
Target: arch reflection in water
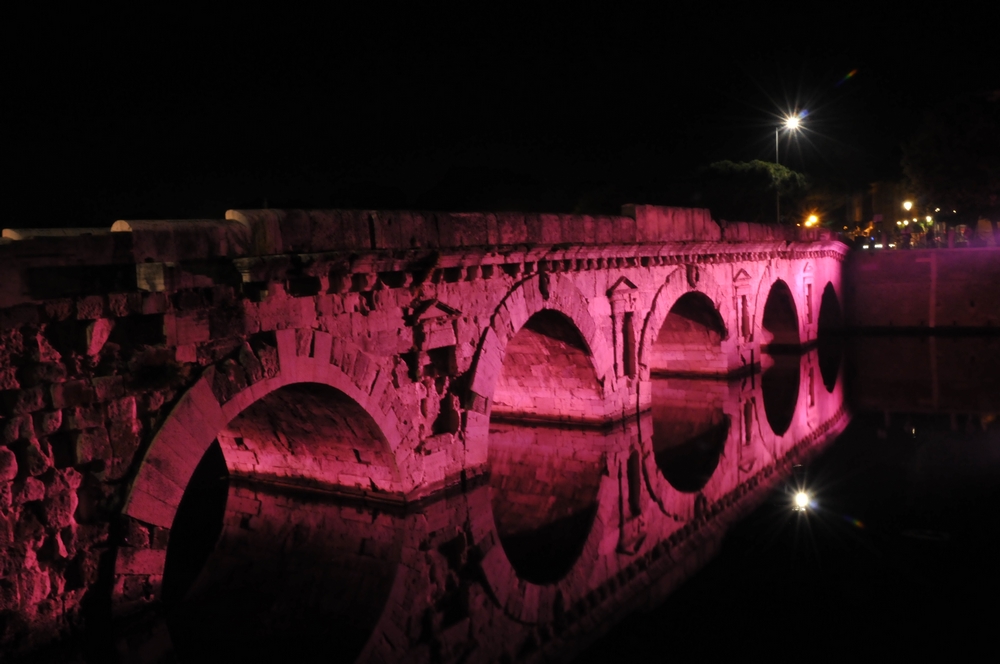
(779,385)
(830,337)
(587,528)
(290,576)
(544,483)
(689,429)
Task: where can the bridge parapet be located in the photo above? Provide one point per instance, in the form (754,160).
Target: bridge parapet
(266,232)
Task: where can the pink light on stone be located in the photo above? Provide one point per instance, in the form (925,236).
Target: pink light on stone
(690,340)
(548,374)
(309,434)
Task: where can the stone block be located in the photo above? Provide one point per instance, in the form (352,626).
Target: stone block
(60,310)
(90,445)
(20,402)
(511,228)
(83,417)
(28,490)
(16,428)
(8,379)
(8,465)
(125,304)
(90,307)
(192,327)
(140,561)
(72,393)
(108,387)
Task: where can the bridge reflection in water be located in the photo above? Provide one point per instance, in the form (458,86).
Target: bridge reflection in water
(571,531)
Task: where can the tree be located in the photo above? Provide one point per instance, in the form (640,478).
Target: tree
(953,161)
(745,191)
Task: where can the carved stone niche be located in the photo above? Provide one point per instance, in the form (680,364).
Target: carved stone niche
(742,305)
(434,339)
(693,275)
(623,296)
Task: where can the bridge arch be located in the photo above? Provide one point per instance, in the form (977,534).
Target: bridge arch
(542,358)
(258,427)
(684,324)
(779,319)
(559,315)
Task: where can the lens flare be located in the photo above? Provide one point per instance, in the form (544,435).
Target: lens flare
(849,76)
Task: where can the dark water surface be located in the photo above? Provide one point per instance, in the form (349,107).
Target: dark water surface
(900,555)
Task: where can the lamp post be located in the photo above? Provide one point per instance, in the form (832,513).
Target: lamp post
(791,123)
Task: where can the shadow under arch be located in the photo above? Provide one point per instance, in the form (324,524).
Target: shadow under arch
(689,341)
(829,337)
(780,321)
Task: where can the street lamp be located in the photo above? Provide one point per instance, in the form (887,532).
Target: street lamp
(791,123)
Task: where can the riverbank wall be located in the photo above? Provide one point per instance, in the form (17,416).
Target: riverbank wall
(923,290)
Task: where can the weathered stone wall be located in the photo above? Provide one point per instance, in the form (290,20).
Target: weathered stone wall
(124,355)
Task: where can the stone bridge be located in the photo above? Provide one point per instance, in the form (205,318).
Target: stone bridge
(379,356)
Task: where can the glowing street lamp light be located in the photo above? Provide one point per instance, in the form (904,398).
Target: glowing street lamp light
(907,205)
(791,123)
(812,220)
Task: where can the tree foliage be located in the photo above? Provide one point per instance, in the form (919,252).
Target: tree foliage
(953,161)
(745,191)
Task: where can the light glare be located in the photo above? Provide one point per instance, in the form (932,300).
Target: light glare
(802,500)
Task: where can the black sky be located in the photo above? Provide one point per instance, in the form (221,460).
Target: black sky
(178,114)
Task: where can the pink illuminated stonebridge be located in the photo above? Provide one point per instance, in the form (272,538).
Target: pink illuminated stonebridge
(394,357)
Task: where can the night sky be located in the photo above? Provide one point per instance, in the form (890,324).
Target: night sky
(180,115)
